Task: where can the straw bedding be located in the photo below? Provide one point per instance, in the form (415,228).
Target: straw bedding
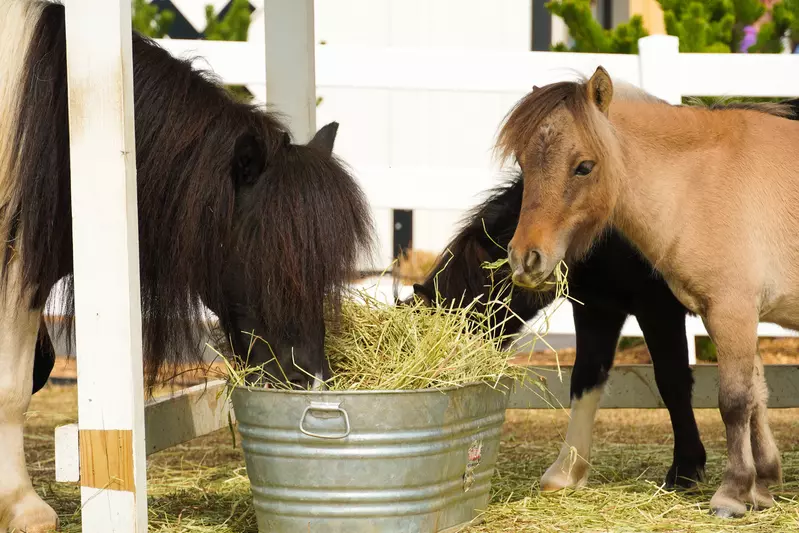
(201,487)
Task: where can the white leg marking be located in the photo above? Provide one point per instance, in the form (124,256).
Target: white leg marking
(571,467)
(318,382)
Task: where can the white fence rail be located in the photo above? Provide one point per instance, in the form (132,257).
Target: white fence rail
(417,125)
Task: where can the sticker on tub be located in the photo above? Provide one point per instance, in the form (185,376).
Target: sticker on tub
(473,461)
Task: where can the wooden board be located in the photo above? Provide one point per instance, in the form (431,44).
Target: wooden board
(169,420)
(633,386)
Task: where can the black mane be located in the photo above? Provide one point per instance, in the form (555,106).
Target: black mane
(483,237)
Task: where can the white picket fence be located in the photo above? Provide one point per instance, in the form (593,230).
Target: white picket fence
(417,125)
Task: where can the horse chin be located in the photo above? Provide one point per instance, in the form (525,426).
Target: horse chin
(267,379)
(544,283)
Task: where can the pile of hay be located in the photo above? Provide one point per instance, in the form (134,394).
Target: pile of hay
(374,345)
(377,346)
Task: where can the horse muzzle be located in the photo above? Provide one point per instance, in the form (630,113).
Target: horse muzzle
(530,269)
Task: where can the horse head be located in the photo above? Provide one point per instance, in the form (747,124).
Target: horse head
(300,222)
(562,140)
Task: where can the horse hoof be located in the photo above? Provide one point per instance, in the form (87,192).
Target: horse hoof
(723,512)
(556,480)
(726,507)
(761,497)
(32,515)
(687,479)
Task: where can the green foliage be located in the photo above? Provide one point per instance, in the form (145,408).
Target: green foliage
(701,27)
(784,20)
(233,26)
(706,350)
(710,26)
(589,35)
(718,25)
(149,21)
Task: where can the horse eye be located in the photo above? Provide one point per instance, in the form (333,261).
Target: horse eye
(584,168)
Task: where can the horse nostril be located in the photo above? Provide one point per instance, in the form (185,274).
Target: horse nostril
(533,262)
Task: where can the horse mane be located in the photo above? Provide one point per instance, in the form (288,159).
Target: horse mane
(459,269)
(520,125)
(779,109)
(527,116)
(482,236)
(187,127)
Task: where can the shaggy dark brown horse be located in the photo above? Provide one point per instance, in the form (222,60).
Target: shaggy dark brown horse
(232,215)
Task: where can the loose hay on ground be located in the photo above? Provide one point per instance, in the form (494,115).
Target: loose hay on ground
(201,487)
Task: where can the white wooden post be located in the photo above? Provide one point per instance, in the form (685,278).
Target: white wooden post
(106,260)
(659,57)
(290,64)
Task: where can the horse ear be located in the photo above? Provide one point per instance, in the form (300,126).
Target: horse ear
(535,88)
(249,160)
(599,90)
(325,138)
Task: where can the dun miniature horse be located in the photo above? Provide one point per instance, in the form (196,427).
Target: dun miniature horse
(613,282)
(708,196)
(232,215)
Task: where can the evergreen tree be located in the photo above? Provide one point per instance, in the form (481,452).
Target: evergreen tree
(590,36)
(234,26)
(149,21)
(784,22)
(701,25)
(710,25)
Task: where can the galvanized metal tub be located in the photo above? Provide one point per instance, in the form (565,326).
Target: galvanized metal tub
(371,461)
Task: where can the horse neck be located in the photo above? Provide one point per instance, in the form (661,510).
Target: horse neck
(661,153)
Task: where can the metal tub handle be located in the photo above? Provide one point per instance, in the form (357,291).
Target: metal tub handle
(330,408)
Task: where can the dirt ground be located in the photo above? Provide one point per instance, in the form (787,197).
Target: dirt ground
(202,486)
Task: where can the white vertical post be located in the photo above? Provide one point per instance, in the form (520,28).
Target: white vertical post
(106,261)
(659,60)
(290,64)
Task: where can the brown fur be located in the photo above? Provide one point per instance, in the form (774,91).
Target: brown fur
(708,194)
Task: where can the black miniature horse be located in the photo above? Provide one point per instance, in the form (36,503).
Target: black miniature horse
(613,282)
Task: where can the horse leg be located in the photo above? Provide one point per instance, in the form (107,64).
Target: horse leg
(664,332)
(21,509)
(734,330)
(766,454)
(44,358)
(597,336)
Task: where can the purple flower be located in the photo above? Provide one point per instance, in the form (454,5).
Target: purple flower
(750,37)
